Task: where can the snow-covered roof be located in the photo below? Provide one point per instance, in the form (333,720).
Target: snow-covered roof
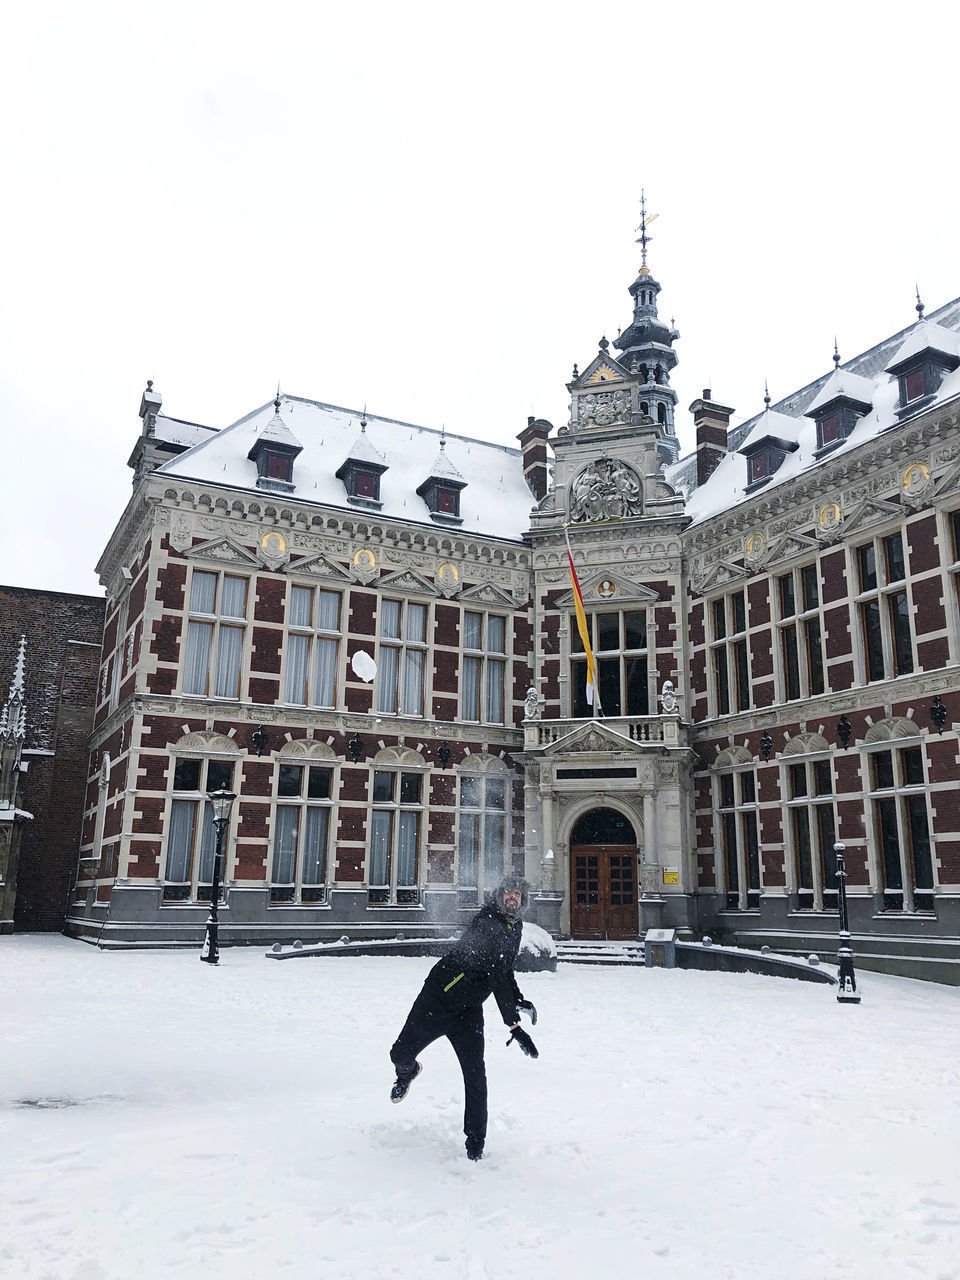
(772,424)
(174,431)
(496,501)
(277,432)
(443,468)
(865,375)
(842,382)
(927,335)
(363,451)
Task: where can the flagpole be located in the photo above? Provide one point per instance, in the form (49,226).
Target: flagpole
(592,685)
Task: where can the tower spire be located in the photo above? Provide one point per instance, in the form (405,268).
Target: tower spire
(643,239)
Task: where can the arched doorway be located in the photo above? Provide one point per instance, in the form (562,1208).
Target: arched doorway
(603,877)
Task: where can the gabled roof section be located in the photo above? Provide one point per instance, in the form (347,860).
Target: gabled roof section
(772,426)
(443,469)
(610,589)
(277,432)
(592,736)
(363,450)
(602,368)
(223,549)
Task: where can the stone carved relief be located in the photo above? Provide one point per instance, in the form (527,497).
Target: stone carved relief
(606,490)
(603,408)
(180,531)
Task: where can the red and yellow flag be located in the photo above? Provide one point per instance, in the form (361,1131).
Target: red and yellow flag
(583,628)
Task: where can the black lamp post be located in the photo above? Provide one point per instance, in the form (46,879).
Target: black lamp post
(222,803)
(847,992)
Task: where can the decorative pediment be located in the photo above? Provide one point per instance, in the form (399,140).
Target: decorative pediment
(592,737)
(318,566)
(408,580)
(870,512)
(404,756)
(719,575)
(487,593)
(609,588)
(225,551)
(308,749)
(603,368)
(949,482)
(207,740)
(789,547)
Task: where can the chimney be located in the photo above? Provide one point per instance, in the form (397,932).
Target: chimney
(533,442)
(710,421)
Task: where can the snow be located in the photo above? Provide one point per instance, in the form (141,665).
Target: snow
(234,1122)
(496,501)
(363,666)
(927,334)
(843,383)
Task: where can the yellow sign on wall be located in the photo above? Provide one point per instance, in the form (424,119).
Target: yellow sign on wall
(671,875)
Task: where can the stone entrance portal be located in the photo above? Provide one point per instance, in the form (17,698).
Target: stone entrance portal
(603,877)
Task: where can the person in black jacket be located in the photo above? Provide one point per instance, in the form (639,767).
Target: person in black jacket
(451,1004)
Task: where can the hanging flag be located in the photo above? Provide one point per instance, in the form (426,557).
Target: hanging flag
(582,628)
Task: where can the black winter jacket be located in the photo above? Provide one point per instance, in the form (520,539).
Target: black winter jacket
(480,963)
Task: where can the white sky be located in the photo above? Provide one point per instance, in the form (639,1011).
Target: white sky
(430,209)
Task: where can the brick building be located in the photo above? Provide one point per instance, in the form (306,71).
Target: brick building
(50,653)
(366,630)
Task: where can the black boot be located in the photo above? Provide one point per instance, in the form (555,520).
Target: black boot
(474,1148)
(402,1087)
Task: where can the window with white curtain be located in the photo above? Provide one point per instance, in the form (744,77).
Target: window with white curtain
(213,656)
(402,657)
(301,833)
(482,836)
(395,824)
(484,667)
(191,835)
(312,650)
(737,815)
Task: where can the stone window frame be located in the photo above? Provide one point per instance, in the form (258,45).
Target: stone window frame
(577,658)
(882,594)
(949,536)
(303,802)
(810,752)
(726,649)
(403,646)
(794,629)
(399,763)
(732,815)
(485,657)
(315,633)
(896,737)
(217,622)
(482,770)
(201,828)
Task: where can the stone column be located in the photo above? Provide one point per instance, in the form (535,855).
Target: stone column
(651,903)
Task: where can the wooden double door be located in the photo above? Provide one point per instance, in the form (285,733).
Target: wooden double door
(603,892)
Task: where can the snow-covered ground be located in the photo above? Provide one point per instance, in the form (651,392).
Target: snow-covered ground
(235,1122)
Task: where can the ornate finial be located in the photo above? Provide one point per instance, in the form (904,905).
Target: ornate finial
(17,685)
(836,353)
(576,373)
(920,306)
(766,394)
(443,435)
(643,239)
(604,344)
(149,384)
(363,422)
(276,403)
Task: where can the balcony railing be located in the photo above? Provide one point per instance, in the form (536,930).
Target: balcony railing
(665,730)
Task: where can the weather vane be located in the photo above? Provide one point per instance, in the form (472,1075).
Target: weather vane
(643,239)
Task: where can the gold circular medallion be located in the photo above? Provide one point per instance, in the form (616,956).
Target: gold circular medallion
(273,543)
(448,573)
(829,515)
(916,477)
(365,559)
(755,546)
(606,589)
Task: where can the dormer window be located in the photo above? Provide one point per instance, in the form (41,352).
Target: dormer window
(274,451)
(361,472)
(442,488)
(928,355)
(843,400)
(764,458)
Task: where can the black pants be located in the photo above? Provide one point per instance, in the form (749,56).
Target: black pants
(464,1029)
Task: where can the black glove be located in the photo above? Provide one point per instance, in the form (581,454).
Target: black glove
(530,1009)
(524,1041)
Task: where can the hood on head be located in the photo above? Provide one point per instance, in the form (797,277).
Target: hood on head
(518,884)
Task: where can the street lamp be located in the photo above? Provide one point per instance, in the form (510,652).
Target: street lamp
(847,992)
(221,802)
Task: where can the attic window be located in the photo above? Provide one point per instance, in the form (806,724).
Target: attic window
(928,356)
(835,425)
(279,467)
(759,465)
(912,386)
(362,482)
(829,429)
(764,459)
(448,501)
(442,496)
